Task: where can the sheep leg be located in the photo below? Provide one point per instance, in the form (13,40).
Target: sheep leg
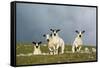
(56,49)
(76,47)
(79,48)
(62,49)
(51,51)
(73,48)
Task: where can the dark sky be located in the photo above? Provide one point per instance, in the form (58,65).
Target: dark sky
(34,20)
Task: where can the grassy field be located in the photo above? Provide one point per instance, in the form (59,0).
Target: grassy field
(42,59)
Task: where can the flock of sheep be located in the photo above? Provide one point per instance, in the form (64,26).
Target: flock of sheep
(54,42)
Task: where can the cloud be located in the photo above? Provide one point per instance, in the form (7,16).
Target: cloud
(34,20)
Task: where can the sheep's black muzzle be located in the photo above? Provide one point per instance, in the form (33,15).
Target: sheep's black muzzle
(54,34)
(36,46)
(80,36)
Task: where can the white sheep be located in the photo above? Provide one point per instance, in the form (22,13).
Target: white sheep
(77,44)
(37,50)
(58,42)
(50,45)
(87,50)
(93,49)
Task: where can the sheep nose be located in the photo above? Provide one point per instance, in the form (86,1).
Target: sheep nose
(79,35)
(47,40)
(36,46)
(54,34)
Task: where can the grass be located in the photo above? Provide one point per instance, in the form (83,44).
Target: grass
(44,59)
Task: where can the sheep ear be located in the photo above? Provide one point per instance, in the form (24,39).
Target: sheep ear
(76,31)
(44,35)
(34,42)
(58,30)
(83,31)
(51,30)
(39,42)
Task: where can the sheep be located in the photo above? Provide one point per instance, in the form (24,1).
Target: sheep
(77,44)
(37,50)
(93,49)
(87,50)
(50,45)
(58,42)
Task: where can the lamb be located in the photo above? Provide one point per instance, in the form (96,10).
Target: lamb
(37,50)
(58,42)
(50,45)
(77,44)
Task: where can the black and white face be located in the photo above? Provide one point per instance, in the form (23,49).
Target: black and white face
(80,33)
(55,32)
(36,44)
(47,36)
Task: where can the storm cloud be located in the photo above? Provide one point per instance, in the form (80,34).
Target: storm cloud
(34,20)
